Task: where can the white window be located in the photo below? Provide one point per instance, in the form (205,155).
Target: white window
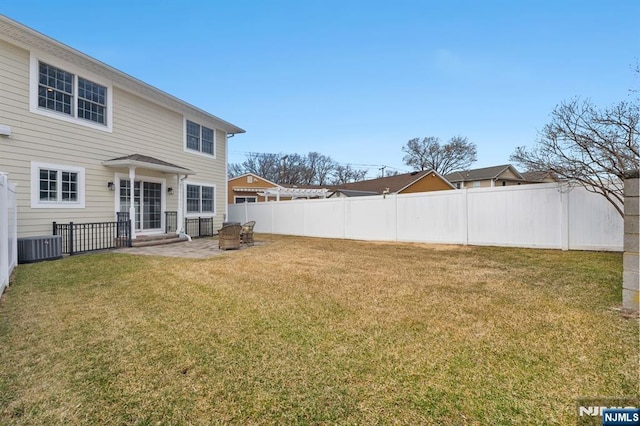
(240,200)
(476,184)
(65,92)
(200,198)
(200,138)
(56,186)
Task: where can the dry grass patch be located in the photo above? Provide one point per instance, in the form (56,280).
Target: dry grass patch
(316,331)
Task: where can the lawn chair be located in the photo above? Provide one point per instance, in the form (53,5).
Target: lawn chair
(229,237)
(246,235)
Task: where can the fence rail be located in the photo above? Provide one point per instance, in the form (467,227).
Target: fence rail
(8,230)
(84,237)
(199,227)
(536,216)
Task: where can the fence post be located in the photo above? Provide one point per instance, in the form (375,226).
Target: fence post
(564,220)
(55,230)
(631,269)
(465,218)
(70,230)
(129,233)
(4,232)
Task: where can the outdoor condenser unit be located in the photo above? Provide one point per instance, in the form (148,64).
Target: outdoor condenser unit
(37,249)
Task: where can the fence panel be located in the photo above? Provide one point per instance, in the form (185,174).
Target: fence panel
(537,216)
(84,237)
(370,218)
(8,231)
(324,218)
(438,218)
(524,216)
(593,222)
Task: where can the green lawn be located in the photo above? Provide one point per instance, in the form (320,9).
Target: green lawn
(316,331)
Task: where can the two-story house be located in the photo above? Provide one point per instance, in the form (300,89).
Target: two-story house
(84,141)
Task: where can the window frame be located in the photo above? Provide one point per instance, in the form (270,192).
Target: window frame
(200,212)
(202,129)
(78,73)
(236,197)
(37,203)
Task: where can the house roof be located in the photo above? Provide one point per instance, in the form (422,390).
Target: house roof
(535,176)
(23,36)
(484,173)
(144,161)
(255,176)
(354,193)
(393,183)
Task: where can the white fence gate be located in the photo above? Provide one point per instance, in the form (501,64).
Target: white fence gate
(8,230)
(540,216)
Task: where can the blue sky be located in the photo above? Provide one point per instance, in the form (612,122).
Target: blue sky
(355,80)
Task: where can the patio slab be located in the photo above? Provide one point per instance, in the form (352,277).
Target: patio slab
(198,248)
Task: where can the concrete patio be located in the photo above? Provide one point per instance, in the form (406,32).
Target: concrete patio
(198,248)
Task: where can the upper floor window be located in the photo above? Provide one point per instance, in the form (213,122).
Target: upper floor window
(68,93)
(61,91)
(200,138)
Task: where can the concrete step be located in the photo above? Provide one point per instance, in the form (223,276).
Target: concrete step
(156,240)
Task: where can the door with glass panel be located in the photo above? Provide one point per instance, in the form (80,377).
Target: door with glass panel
(147,201)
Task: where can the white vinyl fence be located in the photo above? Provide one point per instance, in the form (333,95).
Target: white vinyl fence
(540,215)
(8,230)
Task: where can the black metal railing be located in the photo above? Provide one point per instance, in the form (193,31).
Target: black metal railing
(170,222)
(199,227)
(84,237)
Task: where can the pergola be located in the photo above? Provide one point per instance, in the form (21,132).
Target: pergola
(294,193)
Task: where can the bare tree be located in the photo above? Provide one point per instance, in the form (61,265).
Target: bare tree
(428,153)
(346,174)
(260,164)
(588,146)
(295,169)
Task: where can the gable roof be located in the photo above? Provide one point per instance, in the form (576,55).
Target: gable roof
(484,173)
(144,161)
(393,183)
(536,176)
(25,37)
(255,176)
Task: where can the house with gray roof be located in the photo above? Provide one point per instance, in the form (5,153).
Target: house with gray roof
(503,175)
(422,181)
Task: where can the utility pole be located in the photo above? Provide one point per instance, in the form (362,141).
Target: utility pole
(382,169)
(282,168)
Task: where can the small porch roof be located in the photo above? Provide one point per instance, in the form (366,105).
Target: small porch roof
(146,162)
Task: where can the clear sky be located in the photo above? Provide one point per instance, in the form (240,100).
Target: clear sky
(355,80)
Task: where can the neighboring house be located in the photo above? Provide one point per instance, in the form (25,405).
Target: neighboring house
(247,188)
(423,181)
(251,188)
(84,141)
(503,175)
